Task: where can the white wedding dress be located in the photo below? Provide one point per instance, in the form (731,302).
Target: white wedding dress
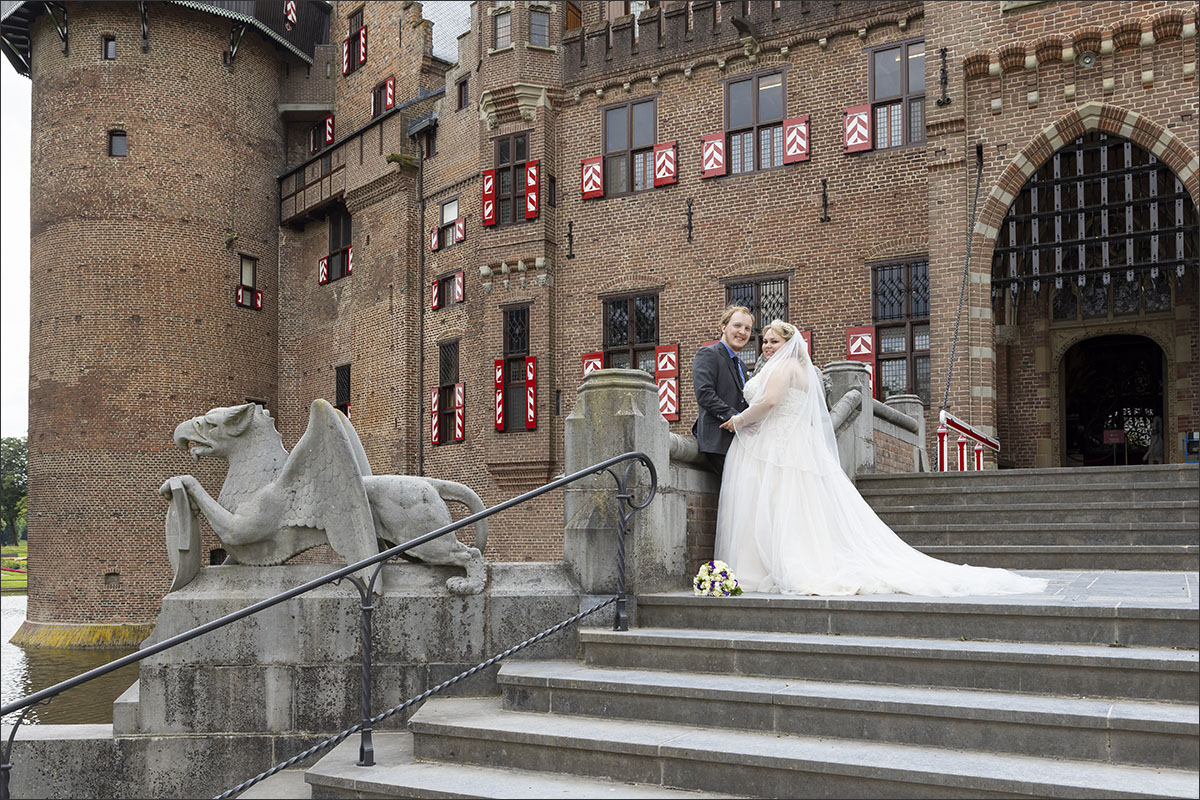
(790,521)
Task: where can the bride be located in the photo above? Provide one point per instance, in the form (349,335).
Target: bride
(790,521)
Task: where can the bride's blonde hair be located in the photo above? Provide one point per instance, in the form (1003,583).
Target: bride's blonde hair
(786,330)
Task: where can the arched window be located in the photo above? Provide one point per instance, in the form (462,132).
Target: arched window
(1101,228)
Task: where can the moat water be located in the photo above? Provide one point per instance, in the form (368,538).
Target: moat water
(25,670)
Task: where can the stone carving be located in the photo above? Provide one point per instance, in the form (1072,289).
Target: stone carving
(274,505)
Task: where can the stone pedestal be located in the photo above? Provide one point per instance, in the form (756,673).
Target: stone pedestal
(617,412)
(856,446)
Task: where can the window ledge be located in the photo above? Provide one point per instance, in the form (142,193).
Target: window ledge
(551,49)
(535,5)
(493,51)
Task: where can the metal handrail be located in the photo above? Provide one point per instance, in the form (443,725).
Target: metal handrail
(620,622)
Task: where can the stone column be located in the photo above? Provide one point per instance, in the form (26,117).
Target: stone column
(617,412)
(910,405)
(856,447)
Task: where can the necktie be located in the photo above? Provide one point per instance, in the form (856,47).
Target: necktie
(737,370)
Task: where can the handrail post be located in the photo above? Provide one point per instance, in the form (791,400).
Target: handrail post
(366,748)
(621,617)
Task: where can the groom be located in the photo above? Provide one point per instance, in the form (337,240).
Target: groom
(718,377)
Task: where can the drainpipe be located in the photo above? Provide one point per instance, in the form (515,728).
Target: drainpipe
(415,131)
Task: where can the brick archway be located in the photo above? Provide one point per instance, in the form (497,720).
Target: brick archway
(1093,116)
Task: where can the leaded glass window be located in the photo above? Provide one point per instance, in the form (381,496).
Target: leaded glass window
(516,348)
(447,377)
(901,303)
(767,300)
(631,332)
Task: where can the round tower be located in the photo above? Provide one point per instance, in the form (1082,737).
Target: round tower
(153,199)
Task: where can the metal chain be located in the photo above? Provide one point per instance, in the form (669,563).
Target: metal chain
(966,268)
(337,738)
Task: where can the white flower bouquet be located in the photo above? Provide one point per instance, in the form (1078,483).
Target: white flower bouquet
(715,579)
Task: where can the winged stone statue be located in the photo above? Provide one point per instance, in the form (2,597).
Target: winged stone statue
(275,505)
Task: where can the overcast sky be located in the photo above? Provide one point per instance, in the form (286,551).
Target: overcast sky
(450,19)
(14,251)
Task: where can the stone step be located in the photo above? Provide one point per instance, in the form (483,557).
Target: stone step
(286,785)
(1167,558)
(397,774)
(949,531)
(1135,673)
(1187,474)
(880,496)
(715,758)
(1128,608)
(1146,514)
(1159,734)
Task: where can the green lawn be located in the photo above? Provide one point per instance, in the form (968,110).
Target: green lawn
(11,580)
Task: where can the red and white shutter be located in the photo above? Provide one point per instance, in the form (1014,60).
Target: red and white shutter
(349,260)
(712,155)
(435,301)
(499,394)
(489,197)
(362,45)
(458,286)
(433,416)
(460,411)
(239,294)
(856,128)
(533,177)
(795,140)
(323,270)
(329,130)
(591,177)
(460,229)
(389,94)
(290,11)
(666,375)
(592,362)
(807,336)
(665,166)
(531,392)
(860,347)
(258,299)
(434,239)
(346,56)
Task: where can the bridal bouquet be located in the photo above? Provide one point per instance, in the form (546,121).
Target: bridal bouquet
(715,579)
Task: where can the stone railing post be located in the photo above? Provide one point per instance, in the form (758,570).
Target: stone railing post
(617,412)
(857,451)
(911,405)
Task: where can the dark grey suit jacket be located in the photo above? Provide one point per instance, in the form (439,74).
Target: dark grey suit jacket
(719,395)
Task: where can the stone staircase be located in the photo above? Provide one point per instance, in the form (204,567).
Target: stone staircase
(1087,690)
(1100,518)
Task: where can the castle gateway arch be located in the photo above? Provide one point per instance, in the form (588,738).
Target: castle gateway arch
(1094,293)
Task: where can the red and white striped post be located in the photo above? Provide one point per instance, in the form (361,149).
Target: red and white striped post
(978,457)
(963,464)
(941,454)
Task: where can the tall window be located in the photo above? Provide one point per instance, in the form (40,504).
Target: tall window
(511,154)
(355,25)
(516,348)
(631,332)
(901,300)
(447,377)
(316,138)
(539,27)
(117,144)
(342,388)
(249,281)
(754,122)
(629,132)
(339,241)
(767,300)
(502,23)
(462,94)
(429,142)
(448,213)
(573,19)
(378,98)
(110,48)
(898,94)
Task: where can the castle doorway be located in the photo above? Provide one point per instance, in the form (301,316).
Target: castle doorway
(1112,390)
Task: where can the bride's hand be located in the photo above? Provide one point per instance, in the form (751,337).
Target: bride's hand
(728,424)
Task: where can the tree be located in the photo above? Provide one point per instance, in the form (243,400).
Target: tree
(13,483)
